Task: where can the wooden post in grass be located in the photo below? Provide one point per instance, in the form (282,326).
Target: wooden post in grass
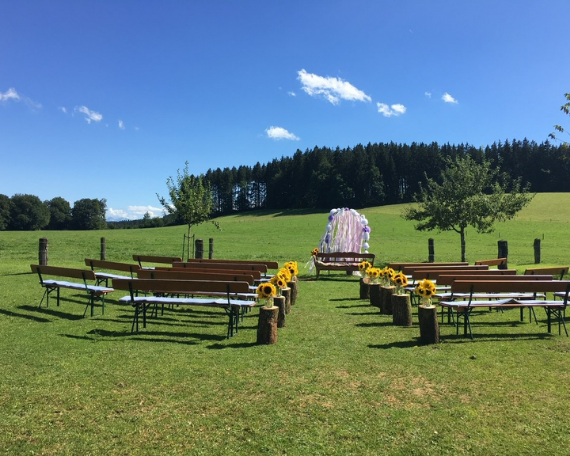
(376,295)
(401,310)
(364,288)
(211,248)
(503,253)
(429,327)
(103,249)
(43,253)
(294,285)
(537,251)
(431,250)
(267,325)
(199,248)
(280,302)
(286,292)
(386,308)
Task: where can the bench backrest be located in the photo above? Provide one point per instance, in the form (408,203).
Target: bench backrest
(255,274)
(434,274)
(269,264)
(180,286)
(493,262)
(445,279)
(155,259)
(232,266)
(408,270)
(84,274)
(185,274)
(400,266)
(113,265)
(514,286)
(559,271)
(354,257)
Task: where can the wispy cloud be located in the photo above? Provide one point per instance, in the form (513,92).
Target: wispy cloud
(448,98)
(332,89)
(427,94)
(389,111)
(90,116)
(121,125)
(133,213)
(12,95)
(280,133)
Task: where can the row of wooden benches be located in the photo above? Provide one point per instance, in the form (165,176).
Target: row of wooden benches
(227,284)
(463,288)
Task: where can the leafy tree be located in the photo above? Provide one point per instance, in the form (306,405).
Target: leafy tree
(190,198)
(5,205)
(89,214)
(60,214)
(470,194)
(566,109)
(28,213)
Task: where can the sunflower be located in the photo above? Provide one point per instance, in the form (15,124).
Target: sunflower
(266,290)
(364,266)
(314,251)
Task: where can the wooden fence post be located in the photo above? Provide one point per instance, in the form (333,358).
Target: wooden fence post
(43,253)
(103,249)
(503,253)
(537,251)
(211,249)
(431,250)
(199,248)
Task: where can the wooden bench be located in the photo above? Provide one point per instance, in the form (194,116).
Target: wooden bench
(94,292)
(409,270)
(269,264)
(195,292)
(499,262)
(507,294)
(140,259)
(341,261)
(132,269)
(400,266)
(245,272)
(559,271)
(261,268)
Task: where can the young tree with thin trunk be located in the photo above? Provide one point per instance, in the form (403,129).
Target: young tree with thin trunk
(470,194)
(190,199)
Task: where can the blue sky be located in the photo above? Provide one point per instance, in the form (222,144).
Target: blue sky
(107,99)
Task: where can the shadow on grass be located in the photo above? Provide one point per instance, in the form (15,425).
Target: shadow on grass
(25,316)
(375,324)
(401,344)
(53,313)
(345,299)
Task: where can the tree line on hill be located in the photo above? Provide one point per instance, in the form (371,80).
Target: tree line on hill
(376,174)
(322,178)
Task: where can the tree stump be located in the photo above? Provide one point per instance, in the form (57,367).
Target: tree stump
(364,288)
(280,302)
(267,325)
(287,293)
(386,308)
(429,328)
(375,295)
(294,289)
(401,310)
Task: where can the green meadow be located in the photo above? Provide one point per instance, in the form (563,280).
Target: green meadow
(341,379)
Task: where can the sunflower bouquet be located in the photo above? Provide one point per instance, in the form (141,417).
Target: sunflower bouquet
(373,274)
(265,292)
(386,276)
(363,267)
(400,281)
(425,289)
(280,280)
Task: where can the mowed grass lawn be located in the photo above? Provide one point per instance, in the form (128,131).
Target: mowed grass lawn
(340,380)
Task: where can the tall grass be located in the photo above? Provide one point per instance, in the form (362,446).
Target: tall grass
(340,380)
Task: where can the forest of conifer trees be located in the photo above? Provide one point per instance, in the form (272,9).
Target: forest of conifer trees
(375,174)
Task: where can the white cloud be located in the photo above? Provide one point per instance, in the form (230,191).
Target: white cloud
(333,89)
(292,94)
(448,98)
(63,109)
(133,213)
(10,94)
(427,94)
(121,125)
(89,115)
(389,111)
(280,133)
